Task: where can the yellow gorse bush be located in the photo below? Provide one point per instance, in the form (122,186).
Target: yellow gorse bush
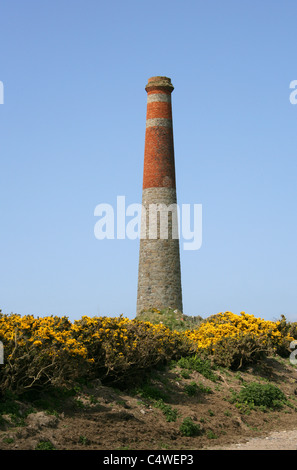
(53,350)
(229,325)
(119,345)
(51,332)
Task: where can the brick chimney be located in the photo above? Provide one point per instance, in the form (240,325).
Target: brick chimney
(159,274)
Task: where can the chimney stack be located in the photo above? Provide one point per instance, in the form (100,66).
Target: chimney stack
(159,273)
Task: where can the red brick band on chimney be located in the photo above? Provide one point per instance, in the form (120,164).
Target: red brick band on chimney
(159,165)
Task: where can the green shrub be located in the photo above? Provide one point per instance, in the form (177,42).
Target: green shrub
(84,440)
(169,412)
(189,428)
(151,392)
(202,388)
(265,396)
(185,374)
(45,445)
(191,389)
(199,364)
(8,440)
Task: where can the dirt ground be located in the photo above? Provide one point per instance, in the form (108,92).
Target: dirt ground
(106,418)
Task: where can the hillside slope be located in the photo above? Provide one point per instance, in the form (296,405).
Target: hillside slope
(152,415)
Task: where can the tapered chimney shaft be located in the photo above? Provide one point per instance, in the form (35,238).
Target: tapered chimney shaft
(159,273)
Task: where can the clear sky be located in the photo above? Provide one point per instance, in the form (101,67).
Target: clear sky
(72,130)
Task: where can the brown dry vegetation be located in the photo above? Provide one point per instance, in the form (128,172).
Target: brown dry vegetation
(100,417)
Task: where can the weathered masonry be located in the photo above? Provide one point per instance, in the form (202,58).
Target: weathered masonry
(159,273)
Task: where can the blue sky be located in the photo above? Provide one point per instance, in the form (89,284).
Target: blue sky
(72,132)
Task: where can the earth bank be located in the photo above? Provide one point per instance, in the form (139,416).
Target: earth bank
(175,408)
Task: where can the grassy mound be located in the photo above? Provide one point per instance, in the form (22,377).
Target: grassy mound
(173,319)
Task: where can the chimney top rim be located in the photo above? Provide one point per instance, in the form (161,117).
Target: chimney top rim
(159,82)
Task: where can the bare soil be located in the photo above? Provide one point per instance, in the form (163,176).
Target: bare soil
(99,417)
